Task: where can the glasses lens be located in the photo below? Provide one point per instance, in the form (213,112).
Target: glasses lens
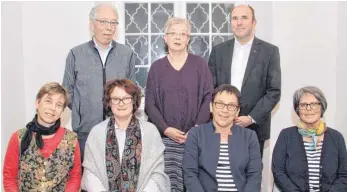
(231,107)
(127,100)
(219,105)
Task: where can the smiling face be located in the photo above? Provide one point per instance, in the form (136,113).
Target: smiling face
(104,32)
(49,109)
(310,115)
(242,23)
(177,37)
(224,118)
(121,103)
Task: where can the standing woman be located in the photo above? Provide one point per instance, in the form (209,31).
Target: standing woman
(178,93)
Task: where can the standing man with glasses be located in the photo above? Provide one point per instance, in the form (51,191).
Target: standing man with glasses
(90,65)
(251,65)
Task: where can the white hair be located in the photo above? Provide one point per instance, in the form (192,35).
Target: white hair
(93,11)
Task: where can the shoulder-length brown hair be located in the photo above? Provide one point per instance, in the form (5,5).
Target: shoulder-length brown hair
(128,86)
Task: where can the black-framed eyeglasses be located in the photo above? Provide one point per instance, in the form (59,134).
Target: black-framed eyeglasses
(173,34)
(230,107)
(105,22)
(314,105)
(125,100)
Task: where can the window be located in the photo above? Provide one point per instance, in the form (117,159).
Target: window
(143,29)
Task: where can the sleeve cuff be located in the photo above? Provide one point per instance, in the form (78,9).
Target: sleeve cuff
(252,119)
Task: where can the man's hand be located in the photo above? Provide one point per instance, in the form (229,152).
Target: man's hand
(243,121)
(176,135)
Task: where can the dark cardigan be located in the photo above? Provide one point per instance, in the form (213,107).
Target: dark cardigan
(290,166)
(201,156)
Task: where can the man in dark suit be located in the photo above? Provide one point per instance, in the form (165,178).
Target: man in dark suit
(253,66)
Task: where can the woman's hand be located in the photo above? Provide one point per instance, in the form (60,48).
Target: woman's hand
(176,135)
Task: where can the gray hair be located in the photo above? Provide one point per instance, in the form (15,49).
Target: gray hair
(177,20)
(93,11)
(315,91)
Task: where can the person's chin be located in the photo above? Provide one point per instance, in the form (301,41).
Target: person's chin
(49,122)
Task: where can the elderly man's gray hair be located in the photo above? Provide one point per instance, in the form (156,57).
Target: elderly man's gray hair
(315,91)
(93,12)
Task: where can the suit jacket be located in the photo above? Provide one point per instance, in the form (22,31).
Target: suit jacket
(290,166)
(261,86)
(201,156)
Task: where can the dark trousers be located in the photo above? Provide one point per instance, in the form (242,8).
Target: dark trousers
(261,144)
(82,138)
(82,143)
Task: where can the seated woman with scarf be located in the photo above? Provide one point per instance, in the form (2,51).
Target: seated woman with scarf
(44,156)
(310,156)
(124,153)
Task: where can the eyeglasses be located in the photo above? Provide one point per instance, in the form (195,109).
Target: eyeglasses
(315,105)
(230,107)
(104,23)
(125,100)
(173,34)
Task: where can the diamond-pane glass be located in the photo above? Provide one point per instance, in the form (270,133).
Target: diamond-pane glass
(198,15)
(139,44)
(199,45)
(160,13)
(136,17)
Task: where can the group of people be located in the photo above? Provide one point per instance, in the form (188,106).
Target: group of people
(207,121)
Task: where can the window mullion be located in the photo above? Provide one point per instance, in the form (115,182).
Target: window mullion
(180,9)
(120,33)
(149,34)
(210,26)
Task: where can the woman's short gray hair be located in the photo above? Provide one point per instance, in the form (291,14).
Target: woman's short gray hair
(93,11)
(176,20)
(315,91)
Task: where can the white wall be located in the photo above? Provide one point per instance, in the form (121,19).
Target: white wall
(50,30)
(306,33)
(12,73)
(341,77)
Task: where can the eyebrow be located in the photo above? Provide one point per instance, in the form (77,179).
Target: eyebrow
(60,103)
(103,18)
(225,103)
(49,97)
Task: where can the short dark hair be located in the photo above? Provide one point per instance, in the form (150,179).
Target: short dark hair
(252,10)
(228,89)
(128,86)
